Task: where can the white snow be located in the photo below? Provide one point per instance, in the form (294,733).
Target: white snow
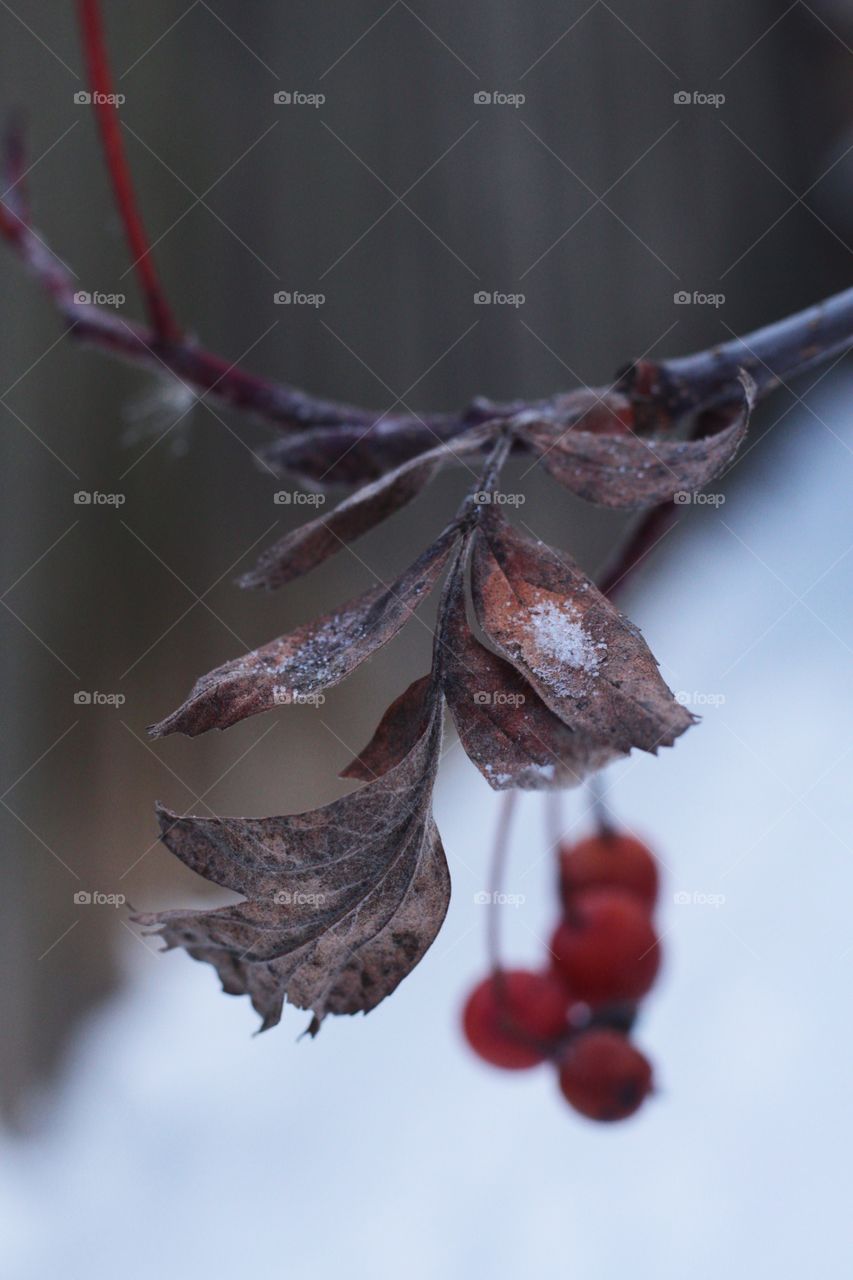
(564,641)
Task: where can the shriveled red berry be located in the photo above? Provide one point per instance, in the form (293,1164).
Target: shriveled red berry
(515,1019)
(613,859)
(603,1076)
(606,948)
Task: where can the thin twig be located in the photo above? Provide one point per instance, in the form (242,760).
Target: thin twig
(112,141)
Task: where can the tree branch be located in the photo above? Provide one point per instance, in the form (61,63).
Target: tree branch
(106,113)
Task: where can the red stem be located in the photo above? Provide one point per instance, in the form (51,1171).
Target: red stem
(112,141)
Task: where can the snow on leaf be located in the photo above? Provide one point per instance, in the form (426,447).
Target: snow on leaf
(587,662)
(504,726)
(340,903)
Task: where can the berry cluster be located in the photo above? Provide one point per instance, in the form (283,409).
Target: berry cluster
(605,955)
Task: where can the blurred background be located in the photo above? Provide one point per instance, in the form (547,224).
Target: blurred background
(134,1098)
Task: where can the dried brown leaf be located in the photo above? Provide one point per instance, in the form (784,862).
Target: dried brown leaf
(315,656)
(629,471)
(340,903)
(503,724)
(397,732)
(586,661)
(308,546)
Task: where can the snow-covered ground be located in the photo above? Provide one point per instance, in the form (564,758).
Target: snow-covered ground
(181,1146)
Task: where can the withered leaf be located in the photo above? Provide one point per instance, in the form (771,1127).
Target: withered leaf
(356,454)
(630,471)
(315,656)
(397,732)
(586,661)
(503,725)
(340,903)
(308,546)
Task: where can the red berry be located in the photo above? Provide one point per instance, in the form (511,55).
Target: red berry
(603,1076)
(612,859)
(514,1019)
(606,948)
